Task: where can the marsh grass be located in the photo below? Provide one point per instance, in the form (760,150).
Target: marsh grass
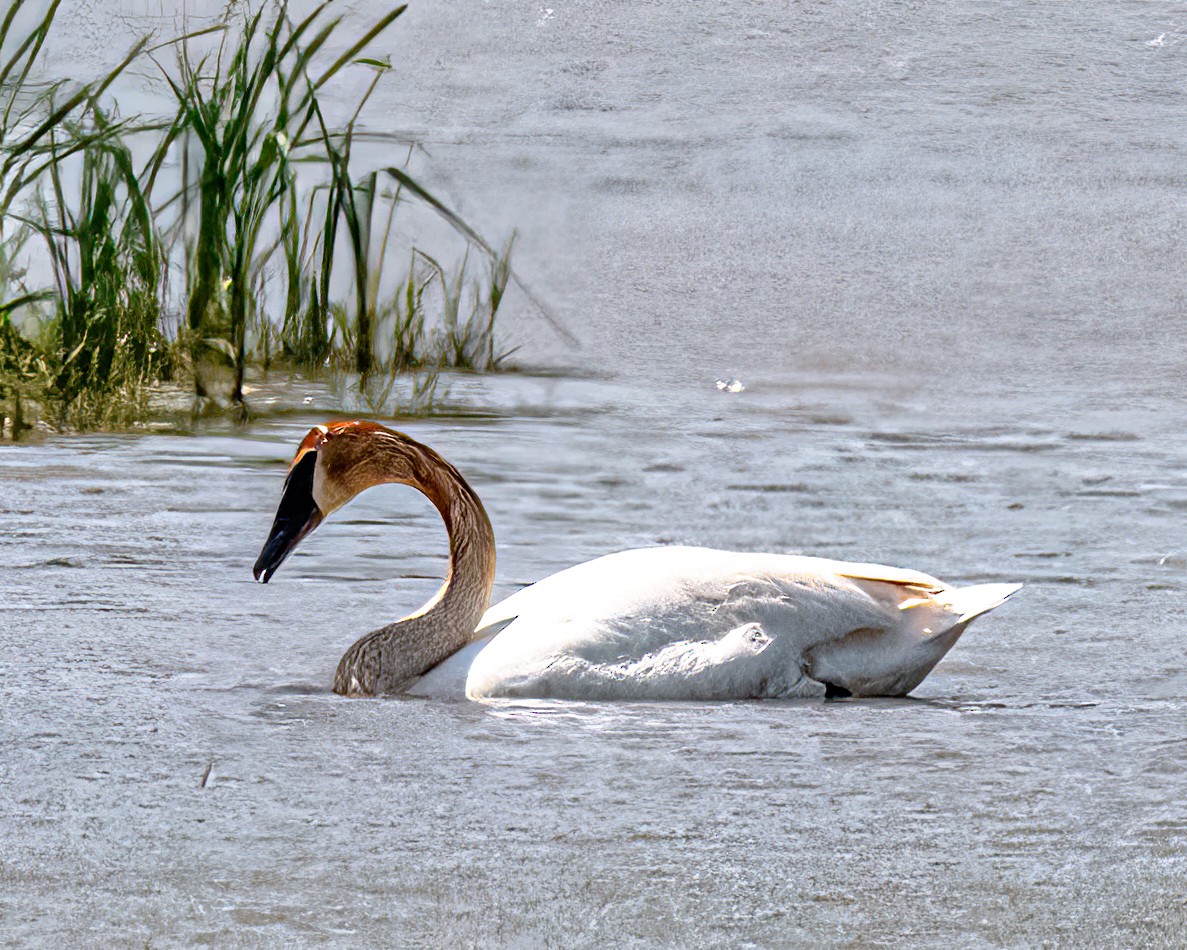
(251,194)
(30,114)
(469,310)
(108,265)
(31,119)
(386,392)
(245,110)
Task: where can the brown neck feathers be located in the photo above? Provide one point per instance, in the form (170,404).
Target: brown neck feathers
(387,659)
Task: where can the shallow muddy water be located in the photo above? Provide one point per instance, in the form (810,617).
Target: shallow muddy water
(942,249)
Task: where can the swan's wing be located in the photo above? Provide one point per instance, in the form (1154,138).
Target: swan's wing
(913,580)
(621,579)
(625,584)
(682,623)
(693,623)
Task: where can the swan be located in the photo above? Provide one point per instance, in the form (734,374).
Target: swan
(664,623)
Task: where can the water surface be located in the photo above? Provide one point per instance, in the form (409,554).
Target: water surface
(1032,788)
(941,245)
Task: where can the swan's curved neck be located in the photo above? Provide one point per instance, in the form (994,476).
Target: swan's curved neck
(386,659)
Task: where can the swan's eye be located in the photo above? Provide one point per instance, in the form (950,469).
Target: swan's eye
(316,436)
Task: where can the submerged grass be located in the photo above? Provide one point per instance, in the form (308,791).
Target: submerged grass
(251,193)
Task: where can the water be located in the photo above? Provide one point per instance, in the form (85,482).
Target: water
(940,248)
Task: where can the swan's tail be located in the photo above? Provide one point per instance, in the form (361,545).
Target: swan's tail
(893,662)
(970,602)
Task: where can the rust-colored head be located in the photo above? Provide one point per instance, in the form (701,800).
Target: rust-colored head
(334,462)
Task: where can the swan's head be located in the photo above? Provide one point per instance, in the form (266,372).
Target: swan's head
(333,464)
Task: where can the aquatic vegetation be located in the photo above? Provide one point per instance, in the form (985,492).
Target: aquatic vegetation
(390,392)
(245,111)
(30,113)
(252,196)
(104,332)
(469,342)
(32,120)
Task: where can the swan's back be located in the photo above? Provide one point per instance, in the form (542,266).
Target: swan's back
(695,623)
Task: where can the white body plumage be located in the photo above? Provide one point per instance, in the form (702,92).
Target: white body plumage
(695,623)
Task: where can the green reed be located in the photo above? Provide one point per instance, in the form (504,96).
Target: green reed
(247,107)
(31,116)
(252,196)
(108,267)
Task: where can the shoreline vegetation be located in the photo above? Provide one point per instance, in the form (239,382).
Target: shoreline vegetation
(239,233)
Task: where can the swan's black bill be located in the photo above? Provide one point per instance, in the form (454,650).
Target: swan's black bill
(296,516)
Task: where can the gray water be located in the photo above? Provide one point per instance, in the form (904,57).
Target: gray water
(942,247)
